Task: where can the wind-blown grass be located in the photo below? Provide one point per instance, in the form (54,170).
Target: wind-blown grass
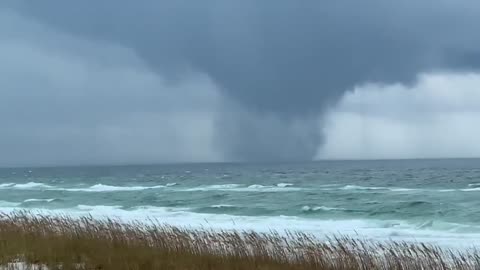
(61,242)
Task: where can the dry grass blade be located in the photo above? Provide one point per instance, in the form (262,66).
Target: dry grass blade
(61,242)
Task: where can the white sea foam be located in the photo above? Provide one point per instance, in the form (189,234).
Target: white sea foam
(262,188)
(38,200)
(243,188)
(354,187)
(457,190)
(222,206)
(284,185)
(308,208)
(93,188)
(470,189)
(394,189)
(213,187)
(99,208)
(29,185)
(108,188)
(256,186)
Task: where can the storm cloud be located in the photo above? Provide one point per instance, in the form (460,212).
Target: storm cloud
(258,75)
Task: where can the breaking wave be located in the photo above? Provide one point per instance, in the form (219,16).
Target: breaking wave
(308,208)
(281,187)
(29,185)
(108,188)
(397,189)
(39,200)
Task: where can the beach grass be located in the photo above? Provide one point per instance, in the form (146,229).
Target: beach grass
(62,242)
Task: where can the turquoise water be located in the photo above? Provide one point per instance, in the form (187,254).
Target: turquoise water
(420,200)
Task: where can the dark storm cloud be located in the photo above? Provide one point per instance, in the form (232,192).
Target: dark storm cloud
(69,100)
(278,63)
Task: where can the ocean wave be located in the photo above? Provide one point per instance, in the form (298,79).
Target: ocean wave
(98,207)
(39,200)
(398,189)
(94,188)
(470,189)
(213,187)
(417,203)
(219,206)
(244,188)
(395,189)
(474,185)
(308,208)
(284,185)
(159,209)
(108,188)
(29,185)
(9,204)
(111,188)
(137,213)
(461,190)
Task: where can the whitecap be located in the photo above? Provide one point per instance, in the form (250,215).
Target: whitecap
(402,189)
(262,188)
(214,187)
(470,189)
(393,189)
(241,188)
(284,185)
(222,206)
(98,207)
(108,188)
(307,208)
(38,200)
(31,185)
(256,186)
(354,187)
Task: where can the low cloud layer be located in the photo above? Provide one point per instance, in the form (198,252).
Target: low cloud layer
(162,81)
(438,117)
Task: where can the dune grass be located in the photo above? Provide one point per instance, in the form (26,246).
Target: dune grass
(53,242)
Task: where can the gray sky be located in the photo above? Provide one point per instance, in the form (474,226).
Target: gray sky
(170,81)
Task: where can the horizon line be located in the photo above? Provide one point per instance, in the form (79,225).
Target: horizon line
(46,166)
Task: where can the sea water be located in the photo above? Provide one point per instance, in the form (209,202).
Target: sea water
(433,201)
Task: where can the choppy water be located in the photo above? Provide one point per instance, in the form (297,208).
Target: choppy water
(421,200)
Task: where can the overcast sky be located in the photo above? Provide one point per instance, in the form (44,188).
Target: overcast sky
(100,82)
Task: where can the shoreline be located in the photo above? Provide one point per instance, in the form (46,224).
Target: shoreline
(109,244)
(365,229)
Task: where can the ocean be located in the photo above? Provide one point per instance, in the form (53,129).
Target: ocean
(433,201)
